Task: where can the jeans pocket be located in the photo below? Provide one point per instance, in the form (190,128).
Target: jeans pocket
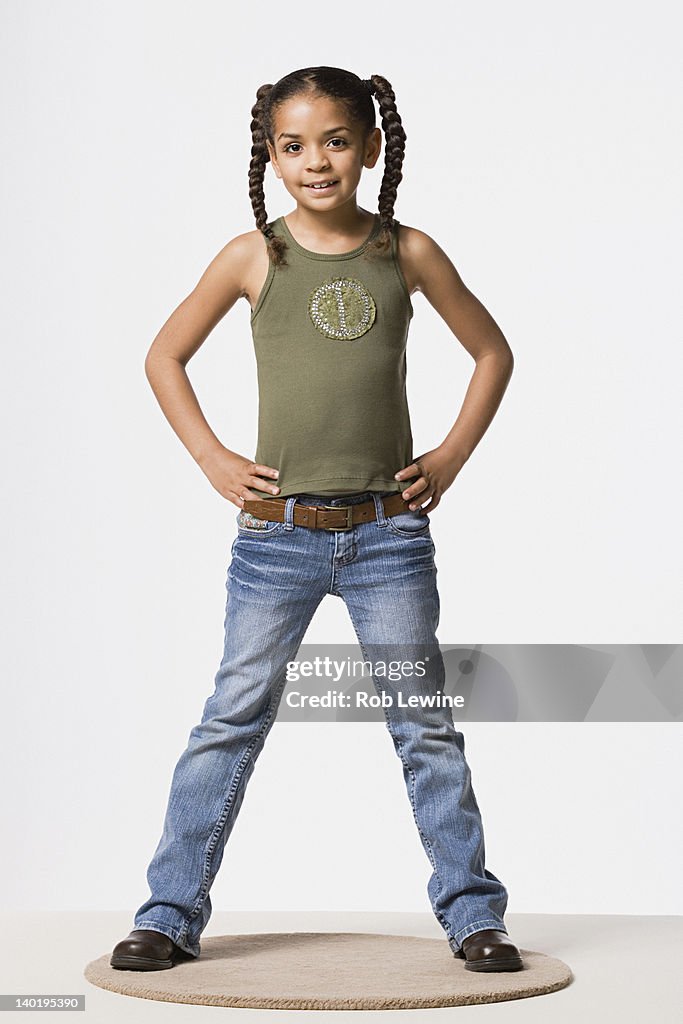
(409,524)
(249,525)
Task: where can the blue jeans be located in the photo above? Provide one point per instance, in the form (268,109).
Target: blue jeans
(385,573)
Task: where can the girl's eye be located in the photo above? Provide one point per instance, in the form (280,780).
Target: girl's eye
(288,149)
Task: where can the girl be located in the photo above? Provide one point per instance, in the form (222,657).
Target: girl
(334,501)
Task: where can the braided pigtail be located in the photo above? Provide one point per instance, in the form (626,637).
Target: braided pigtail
(395,145)
(257,169)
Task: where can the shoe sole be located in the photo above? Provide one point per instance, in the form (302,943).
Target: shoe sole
(506,964)
(138,963)
(141,963)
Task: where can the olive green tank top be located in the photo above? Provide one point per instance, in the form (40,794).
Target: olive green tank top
(330,333)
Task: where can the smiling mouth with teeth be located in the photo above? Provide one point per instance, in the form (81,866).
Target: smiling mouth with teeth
(322,186)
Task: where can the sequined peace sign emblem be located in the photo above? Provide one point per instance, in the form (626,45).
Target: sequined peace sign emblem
(342,308)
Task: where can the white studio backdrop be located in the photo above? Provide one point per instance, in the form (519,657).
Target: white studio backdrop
(541,157)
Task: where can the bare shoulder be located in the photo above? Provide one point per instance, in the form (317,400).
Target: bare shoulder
(428,269)
(229,276)
(423,260)
(248,244)
(238,262)
(247,256)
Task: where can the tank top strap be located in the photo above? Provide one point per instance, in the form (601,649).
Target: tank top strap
(397,266)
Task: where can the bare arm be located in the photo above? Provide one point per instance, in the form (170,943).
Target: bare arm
(188,327)
(430,271)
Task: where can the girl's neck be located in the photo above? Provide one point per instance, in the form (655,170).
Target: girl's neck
(337,229)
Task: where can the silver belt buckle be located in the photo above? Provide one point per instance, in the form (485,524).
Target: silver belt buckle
(349,517)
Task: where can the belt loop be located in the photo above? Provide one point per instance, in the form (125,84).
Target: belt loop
(289,512)
(379,508)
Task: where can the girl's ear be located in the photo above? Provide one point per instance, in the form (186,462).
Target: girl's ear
(373,147)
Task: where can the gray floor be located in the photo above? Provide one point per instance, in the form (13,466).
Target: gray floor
(626,969)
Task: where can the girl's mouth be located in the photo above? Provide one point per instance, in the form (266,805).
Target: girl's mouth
(323,188)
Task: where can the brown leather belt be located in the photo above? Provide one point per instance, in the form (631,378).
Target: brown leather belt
(326,517)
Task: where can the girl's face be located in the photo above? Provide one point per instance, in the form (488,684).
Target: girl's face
(315,141)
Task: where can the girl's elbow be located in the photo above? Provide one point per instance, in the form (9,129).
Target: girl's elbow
(150,365)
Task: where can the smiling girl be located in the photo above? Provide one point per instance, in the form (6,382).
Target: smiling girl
(333,503)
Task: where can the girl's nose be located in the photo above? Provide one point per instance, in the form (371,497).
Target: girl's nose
(319,162)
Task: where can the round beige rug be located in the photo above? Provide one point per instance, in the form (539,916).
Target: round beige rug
(330,971)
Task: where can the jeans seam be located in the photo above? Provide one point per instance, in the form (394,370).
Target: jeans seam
(243,530)
(220,824)
(407,533)
(428,847)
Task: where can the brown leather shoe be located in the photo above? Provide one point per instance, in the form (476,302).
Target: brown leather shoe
(147,950)
(490,950)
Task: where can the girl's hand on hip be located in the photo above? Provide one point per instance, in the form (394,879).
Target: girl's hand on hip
(435,472)
(232,475)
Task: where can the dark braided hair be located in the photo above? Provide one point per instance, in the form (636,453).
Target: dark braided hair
(355,94)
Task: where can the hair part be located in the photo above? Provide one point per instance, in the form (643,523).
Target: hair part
(355,94)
